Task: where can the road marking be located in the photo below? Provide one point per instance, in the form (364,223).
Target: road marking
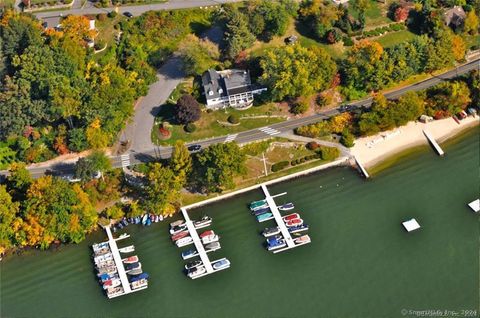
(269,131)
(230,138)
(125,160)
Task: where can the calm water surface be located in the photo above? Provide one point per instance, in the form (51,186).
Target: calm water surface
(361,262)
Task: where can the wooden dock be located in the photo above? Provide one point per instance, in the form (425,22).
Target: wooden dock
(433,142)
(118,262)
(278,218)
(361,168)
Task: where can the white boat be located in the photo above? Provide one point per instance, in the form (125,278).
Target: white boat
(221,264)
(190,253)
(286,207)
(105,264)
(178,228)
(211,247)
(131,259)
(115,291)
(302,240)
(124,235)
(203,222)
(100,246)
(197,271)
(139,284)
(127,249)
(210,239)
(176,223)
(112,283)
(184,241)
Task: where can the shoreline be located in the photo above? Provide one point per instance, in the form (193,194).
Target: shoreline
(374,150)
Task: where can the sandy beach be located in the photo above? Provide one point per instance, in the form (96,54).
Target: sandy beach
(374,149)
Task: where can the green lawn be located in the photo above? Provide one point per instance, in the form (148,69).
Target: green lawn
(374,14)
(394,38)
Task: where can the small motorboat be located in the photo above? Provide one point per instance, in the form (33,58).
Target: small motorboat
(292,216)
(210,239)
(138,220)
(133,266)
(196,271)
(104,277)
(138,277)
(264,217)
(294,222)
(299,228)
(127,249)
(190,253)
(179,235)
(148,223)
(125,222)
(211,247)
(119,226)
(122,236)
(207,233)
(286,206)
(203,222)
(144,219)
(184,241)
(112,283)
(115,291)
(142,283)
(221,264)
(261,211)
(193,264)
(176,223)
(100,246)
(255,205)
(152,218)
(130,260)
(270,231)
(157,218)
(302,239)
(137,271)
(275,244)
(160,218)
(178,228)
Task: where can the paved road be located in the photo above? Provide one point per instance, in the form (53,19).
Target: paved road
(135,10)
(146,155)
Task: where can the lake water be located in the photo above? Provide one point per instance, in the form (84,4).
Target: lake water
(361,262)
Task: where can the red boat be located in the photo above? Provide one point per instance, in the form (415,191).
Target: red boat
(294,222)
(179,235)
(130,260)
(207,233)
(292,216)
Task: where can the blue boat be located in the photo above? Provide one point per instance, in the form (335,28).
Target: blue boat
(138,220)
(298,228)
(261,211)
(189,254)
(286,206)
(274,243)
(138,277)
(124,222)
(144,219)
(148,222)
(264,217)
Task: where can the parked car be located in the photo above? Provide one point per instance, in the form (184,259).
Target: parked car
(128,14)
(194,148)
(70,178)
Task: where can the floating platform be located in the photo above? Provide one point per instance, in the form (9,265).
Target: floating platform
(475,205)
(362,169)
(411,225)
(433,142)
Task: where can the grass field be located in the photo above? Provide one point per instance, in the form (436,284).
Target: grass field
(394,38)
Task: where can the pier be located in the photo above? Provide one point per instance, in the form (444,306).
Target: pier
(361,168)
(475,205)
(433,142)
(118,262)
(278,218)
(198,244)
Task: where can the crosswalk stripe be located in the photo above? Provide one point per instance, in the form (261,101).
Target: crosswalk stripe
(125,159)
(269,131)
(231,137)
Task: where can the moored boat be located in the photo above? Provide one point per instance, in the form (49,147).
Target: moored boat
(203,222)
(104,277)
(111,283)
(137,271)
(302,239)
(196,271)
(207,233)
(127,249)
(178,228)
(258,204)
(133,266)
(211,247)
(190,253)
(131,259)
(138,277)
(142,283)
(184,241)
(294,222)
(261,211)
(176,223)
(115,291)
(144,219)
(179,235)
(273,244)
(264,217)
(298,228)
(210,239)
(221,264)
(292,216)
(270,231)
(193,264)
(286,206)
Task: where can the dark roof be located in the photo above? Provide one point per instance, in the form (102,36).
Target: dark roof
(237,82)
(225,83)
(455,16)
(212,82)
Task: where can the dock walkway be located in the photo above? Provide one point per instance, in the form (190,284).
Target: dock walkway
(434,143)
(198,243)
(278,218)
(118,262)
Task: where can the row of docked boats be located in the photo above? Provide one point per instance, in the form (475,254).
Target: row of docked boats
(146,220)
(109,272)
(261,210)
(180,235)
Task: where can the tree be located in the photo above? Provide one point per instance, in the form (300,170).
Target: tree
(162,191)
(181,161)
(96,138)
(269,18)
(448,97)
(319,15)
(348,140)
(458,48)
(87,167)
(8,214)
(18,181)
(340,122)
(77,27)
(218,165)
(198,55)
(471,23)
(237,34)
(316,130)
(187,109)
(294,71)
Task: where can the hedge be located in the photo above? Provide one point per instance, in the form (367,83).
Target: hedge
(233,119)
(190,127)
(279,166)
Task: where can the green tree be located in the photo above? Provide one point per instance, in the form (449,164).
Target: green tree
(8,213)
(294,71)
(162,191)
(218,165)
(237,33)
(198,55)
(181,161)
(87,167)
(18,181)
(348,140)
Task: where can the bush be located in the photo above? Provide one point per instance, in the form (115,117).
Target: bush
(329,153)
(112,14)
(347,139)
(312,145)
(190,127)
(256,148)
(347,41)
(187,109)
(99,45)
(300,107)
(101,16)
(279,166)
(233,119)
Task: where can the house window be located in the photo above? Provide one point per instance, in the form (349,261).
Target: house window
(210,92)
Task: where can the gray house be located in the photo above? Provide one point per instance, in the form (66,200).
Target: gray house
(229,88)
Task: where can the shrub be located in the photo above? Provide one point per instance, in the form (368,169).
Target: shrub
(347,139)
(233,119)
(347,41)
(99,45)
(112,14)
(187,109)
(190,127)
(329,153)
(300,107)
(279,166)
(312,145)
(101,16)
(256,148)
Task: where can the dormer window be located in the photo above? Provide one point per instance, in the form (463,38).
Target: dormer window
(210,92)
(220,90)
